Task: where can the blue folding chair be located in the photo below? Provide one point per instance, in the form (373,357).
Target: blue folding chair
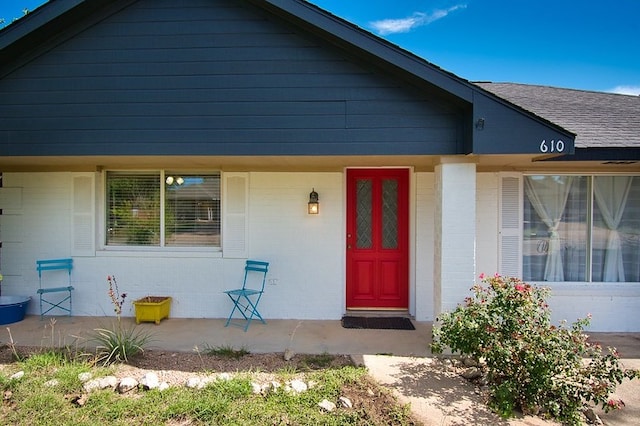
(48,300)
(245,300)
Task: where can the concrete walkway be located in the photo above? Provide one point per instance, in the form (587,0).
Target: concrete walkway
(398,359)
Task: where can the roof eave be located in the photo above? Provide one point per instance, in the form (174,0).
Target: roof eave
(34,20)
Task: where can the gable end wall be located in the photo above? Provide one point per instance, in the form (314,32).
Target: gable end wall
(212,78)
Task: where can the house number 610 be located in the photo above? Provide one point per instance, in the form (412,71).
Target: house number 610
(551,146)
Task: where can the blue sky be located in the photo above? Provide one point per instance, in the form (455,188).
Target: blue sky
(591,45)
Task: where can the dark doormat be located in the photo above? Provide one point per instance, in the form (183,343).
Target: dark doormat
(387,323)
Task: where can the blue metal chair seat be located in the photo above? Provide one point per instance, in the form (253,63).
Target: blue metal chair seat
(48,301)
(245,300)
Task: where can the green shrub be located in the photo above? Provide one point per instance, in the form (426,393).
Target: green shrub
(531,364)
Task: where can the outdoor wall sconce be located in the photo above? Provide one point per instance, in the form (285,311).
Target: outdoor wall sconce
(170,180)
(314,205)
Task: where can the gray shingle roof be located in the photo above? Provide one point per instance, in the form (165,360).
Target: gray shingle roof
(600,120)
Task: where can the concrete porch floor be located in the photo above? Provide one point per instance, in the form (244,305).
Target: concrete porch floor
(184,334)
(301,336)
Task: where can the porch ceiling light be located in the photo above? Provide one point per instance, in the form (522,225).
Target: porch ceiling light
(170,180)
(314,205)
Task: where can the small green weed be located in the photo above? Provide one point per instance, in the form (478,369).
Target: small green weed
(47,359)
(318,361)
(288,371)
(225,351)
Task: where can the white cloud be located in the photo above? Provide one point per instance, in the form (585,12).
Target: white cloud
(626,90)
(418,19)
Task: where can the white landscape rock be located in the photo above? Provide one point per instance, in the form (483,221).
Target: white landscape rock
(225,376)
(17,376)
(85,377)
(193,382)
(256,388)
(198,382)
(275,385)
(91,385)
(327,405)
(297,386)
(127,384)
(345,402)
(101,383)
(150,381)
(108,382)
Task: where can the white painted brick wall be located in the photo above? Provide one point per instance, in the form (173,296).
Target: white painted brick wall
(456,220)
(306,253)
(613,306)
(424,309)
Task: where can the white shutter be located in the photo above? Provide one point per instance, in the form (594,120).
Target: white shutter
(235,228)
(510,211)
(83,215)
(10,198)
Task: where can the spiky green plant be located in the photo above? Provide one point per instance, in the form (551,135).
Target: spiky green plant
(119,343)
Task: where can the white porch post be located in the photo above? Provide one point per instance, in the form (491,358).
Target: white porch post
(455,233)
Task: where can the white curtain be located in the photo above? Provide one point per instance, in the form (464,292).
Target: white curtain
(548,196)
(611,194)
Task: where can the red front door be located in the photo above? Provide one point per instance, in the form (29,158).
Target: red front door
(377,238)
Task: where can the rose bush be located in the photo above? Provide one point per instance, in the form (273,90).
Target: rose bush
(531,364)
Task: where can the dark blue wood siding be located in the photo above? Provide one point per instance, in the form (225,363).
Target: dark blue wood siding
(207,77)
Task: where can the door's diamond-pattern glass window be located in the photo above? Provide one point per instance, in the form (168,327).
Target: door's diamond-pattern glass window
(363,214)
(389,214)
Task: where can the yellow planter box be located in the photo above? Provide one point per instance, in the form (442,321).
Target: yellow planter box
(152,309)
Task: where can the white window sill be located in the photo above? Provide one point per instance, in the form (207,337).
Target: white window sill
(594,288)
(150,252)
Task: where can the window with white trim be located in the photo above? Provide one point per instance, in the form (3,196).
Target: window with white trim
(581,228)
(163,209)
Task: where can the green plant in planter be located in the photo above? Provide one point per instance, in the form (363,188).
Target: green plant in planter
(532,365)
